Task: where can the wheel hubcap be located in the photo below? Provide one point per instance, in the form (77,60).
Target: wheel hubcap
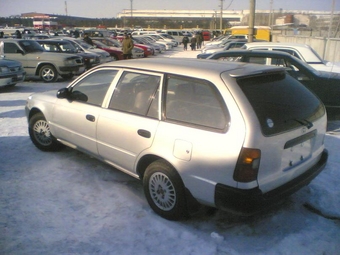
(162,191)
(42,132)
(48,74)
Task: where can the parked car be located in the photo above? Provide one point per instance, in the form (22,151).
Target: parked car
(146,48)
(168,38)
(233,44)
(235,136)
(157,47)
(302,51)
(137,52)
(116,53)
(58,46)
(176,34)
(85,47)
(325,85)
(11,72)
(39,63)
(158,39)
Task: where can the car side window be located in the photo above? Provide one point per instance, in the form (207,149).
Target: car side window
(137,93)
(232,59)
(195,102)
(11,48)
(295,72)
(93,88)
(291,52)
(257,60)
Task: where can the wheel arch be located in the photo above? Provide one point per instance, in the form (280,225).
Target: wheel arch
(40,65)
(144,162)
(34,111)
(191,202)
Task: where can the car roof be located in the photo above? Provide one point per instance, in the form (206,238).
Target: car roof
(254,53)
(263,53)
(196,68)
(299,46)
(282,44)
(53,41)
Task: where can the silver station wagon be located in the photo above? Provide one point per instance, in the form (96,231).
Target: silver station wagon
(234,136)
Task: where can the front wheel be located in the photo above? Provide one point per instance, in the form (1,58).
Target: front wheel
(48,73)
(40,134)
(164,191)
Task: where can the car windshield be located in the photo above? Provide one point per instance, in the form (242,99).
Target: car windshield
(84,44)
(280,102)
(100,44)
(31,46)
(114,43)
(67,47)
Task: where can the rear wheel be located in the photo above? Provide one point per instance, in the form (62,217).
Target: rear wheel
(164,191)
(48,73)
(40,134)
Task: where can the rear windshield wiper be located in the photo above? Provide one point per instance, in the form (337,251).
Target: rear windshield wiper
(306,123)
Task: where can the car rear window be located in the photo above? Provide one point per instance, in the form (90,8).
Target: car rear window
(280,102)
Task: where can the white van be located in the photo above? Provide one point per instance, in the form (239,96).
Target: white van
(140,32)
(176,34)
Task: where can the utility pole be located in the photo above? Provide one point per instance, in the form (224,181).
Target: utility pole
(251,20)
(221,18)
(66,8)
(131,8)
(271,14)
(331,20)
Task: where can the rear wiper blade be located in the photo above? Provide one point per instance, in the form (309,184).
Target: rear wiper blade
(306,123)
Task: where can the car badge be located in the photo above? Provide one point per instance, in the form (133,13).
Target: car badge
(270,123)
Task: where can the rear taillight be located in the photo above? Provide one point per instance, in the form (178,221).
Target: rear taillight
(247,165)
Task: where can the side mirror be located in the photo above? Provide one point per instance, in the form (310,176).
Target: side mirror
(63,93)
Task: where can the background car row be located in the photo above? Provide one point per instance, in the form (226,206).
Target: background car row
(326,85)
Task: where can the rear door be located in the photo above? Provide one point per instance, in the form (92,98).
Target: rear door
(128,125)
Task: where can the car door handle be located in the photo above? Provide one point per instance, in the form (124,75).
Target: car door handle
(90,117)
(144,133)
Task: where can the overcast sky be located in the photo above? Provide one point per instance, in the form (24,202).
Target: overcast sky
(110,8)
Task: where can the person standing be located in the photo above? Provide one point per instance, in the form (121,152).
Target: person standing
(199,40)
(185,42)
(87,39)
(18,34)
(127,46)
(193,42)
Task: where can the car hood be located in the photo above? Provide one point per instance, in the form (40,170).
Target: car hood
(9,63)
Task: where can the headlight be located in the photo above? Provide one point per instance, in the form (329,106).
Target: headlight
(69,61)
(4,69)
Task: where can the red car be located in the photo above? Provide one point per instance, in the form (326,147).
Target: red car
(147,49)
(116,53)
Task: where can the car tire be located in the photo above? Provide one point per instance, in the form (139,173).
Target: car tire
(40,134)
(165,191)
(48,73)
(115,58)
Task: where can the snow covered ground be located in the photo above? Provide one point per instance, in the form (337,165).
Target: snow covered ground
(67,203)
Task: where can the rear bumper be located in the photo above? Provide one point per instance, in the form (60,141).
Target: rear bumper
(248,202)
